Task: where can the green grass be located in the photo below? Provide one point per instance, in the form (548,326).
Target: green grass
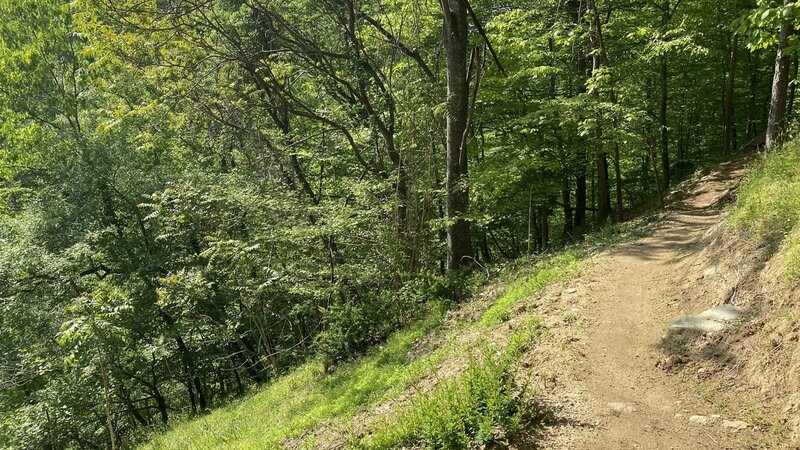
(480,407)
(768,204)
(557,268)
(308,397)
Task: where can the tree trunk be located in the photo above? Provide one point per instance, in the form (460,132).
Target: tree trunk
(603,194)
(663,79)
(544,227)
(459,242)
(792,89)
(665,169)
(618,182)
(728,145)
(599,60)
(567,206)
(580,198)
(780,84)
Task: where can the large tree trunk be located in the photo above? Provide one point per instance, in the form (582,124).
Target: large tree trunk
(780,84)
(459,242)
(728,139)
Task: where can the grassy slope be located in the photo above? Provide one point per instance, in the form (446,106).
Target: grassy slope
(308,398)
(768,204)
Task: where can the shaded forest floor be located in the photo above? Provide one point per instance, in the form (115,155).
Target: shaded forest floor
(604,374)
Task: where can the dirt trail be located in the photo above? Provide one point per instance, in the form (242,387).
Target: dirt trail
(606,389)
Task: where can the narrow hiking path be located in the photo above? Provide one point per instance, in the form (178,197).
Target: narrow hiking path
(605,382)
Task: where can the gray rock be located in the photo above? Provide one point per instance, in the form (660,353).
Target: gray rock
(713,319)
(735,425)
(620,408)
(700,420)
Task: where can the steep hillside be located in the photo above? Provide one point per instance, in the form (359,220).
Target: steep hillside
(575,352)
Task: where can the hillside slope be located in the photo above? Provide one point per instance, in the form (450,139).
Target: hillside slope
(604,372)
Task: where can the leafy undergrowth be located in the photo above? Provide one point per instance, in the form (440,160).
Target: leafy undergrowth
(481,405)
(768,205)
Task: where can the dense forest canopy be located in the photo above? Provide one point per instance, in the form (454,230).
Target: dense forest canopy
(196,195)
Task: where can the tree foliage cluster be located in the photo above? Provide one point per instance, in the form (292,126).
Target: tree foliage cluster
(196,195)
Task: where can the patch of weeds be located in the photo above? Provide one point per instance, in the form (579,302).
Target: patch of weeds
(570,317)
(739,321)
(481,407)
(790,316)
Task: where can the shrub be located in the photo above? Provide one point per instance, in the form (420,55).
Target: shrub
(353,324)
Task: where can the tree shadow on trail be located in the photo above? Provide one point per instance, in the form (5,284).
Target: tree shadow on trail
(536,429)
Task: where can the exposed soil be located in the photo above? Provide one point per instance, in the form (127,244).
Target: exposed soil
(610,377)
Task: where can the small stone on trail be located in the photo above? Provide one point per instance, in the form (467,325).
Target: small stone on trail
(619,408)
(571,290)
(670,362)
(735,425)
(700,420)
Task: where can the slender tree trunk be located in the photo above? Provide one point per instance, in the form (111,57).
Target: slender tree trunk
(459,241)
(780,84)
(728,141)
(666,16)
(618,182)
(599,60)
(578,10)
(665,166)
(580,198)
(487,255)
(567,206)
(530,221)
(544,227)
(792,88)
(107,409)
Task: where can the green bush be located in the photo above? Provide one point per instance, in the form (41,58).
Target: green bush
(353,324)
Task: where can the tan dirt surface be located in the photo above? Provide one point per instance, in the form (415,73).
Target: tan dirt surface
(608,381)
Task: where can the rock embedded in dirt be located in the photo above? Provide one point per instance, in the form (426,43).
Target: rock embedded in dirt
(699,420)
(620,408)
(710,320)
(735,425)
(671,362)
